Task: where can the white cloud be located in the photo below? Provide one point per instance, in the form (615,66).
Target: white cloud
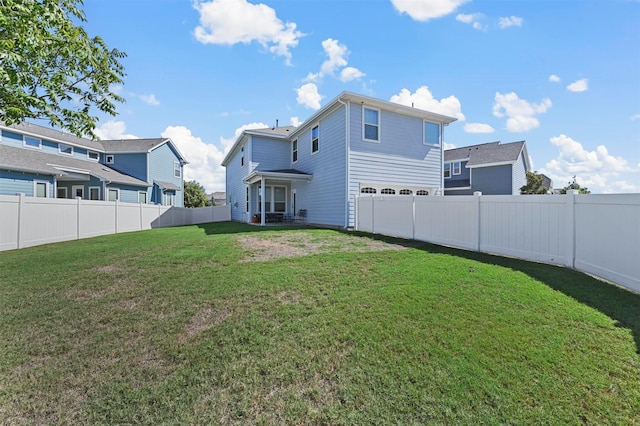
(423,99)
(478,128)
(238,21)
(150,99)
(295,121)
(337,56)
(423,10)
(473,19)
(308,96)
(598,170)
(350,73)
(554,78)
(448,145)
(510,21)
(579,85)
(521,114)
(113,130)
(635,117)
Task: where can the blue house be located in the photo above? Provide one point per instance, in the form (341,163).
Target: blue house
(492,168)
(41,162)
(355,144)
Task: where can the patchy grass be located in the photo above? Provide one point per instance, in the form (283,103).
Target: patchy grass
(234,324)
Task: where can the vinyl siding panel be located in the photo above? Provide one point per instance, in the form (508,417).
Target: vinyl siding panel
(494,180)
(519,175)
(324,196)
(128,194)
(161,162)
(236,188)
(131,164)
(270,154)
(11,138)
(93,181)
(13,183)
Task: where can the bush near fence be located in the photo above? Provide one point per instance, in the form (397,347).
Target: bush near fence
(30,221)
(598,234)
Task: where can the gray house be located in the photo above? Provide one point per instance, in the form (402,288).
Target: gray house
(355,144)
(492,168)
(42,162)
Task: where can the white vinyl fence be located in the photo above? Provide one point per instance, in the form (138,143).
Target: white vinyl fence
(29,221)
(597,234)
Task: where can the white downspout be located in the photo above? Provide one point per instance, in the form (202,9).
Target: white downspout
(262,200)
(346,160)
(442,158)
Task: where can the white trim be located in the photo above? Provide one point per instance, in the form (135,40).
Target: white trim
(24,142)
(146,197)
(178,169)
(46,188)
(108,157)
(73,191)
(93,152)
(424,133)
(117,190)
(60,151)
(317,126)
(94,187)
(296,150)
(364,124)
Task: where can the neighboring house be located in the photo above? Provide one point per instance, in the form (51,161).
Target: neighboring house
(218,198)
(491,168)
(41,162)
(355,144)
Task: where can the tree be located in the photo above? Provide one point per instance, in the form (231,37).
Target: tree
(535,185)
(51,69)
(194,195)
(574,185)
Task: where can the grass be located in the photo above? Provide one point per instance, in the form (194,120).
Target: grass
(189,326)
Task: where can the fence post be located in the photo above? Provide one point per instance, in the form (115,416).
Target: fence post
(20,219)
(116,215)
(571,228)
(478,196)
(413,215)
(78,218)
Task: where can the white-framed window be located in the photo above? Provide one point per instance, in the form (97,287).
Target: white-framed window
(94,192)
(388,191)
(61,192)
(371,124)
(41,189)
(275,199)
(92,155)
(77,191)
(142,197)
(456,168)
(30,142)
(247,197)
(241,157)
(315,139)
(294,151)
(422,192)
(447,170)
(169,198)
(110,159)
(65,149)
(113,194)
(177,172)
(431,133)
(406,192)
(368,190)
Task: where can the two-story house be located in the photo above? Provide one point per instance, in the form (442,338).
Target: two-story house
(353,145)
(41,162)
(492,168)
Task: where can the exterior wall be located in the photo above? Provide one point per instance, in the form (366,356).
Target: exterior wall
(13,183)
(128,194)
(495,180)
(519,175)
(92,182)
(236,188)
(131,164)
(269,154)
(12,139)
(463,179)
(324,196)
(161,162)
(400,158)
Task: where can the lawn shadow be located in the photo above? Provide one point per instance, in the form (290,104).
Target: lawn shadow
(217,228)
(616,302)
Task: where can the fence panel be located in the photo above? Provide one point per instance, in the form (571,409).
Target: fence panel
(447,221)
(47,220)
(97,218)
(9,214)
(393,215)
(608,237)
(364,209)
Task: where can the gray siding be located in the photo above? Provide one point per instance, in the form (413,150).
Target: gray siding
(161,162)
(13,183)
(236,188)
(93,181)
(131,164)
(324,196)
(495,180)
(270,154)
(519,175)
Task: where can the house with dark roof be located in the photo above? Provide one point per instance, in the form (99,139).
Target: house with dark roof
(492,168)
(42,162)
(354,145)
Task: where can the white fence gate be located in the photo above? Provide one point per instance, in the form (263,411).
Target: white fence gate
(29,221)
(597,234)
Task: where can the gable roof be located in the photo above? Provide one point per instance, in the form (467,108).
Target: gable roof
(489,154)
(32,161)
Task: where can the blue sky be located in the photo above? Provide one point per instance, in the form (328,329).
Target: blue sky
(562,75)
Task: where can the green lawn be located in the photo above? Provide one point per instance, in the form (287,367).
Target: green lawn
(235,324)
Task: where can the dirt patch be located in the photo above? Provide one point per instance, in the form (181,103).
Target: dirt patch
(204,319)
(294,244)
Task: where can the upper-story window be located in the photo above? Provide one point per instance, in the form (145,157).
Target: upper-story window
(177,172)
(452,168)
(92,155)
(456,168)
(110,159)
(315,139)
(447,170)
(31,142)
(431,133)
(242,156)
(294,151)
(65,149)
(371,124)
